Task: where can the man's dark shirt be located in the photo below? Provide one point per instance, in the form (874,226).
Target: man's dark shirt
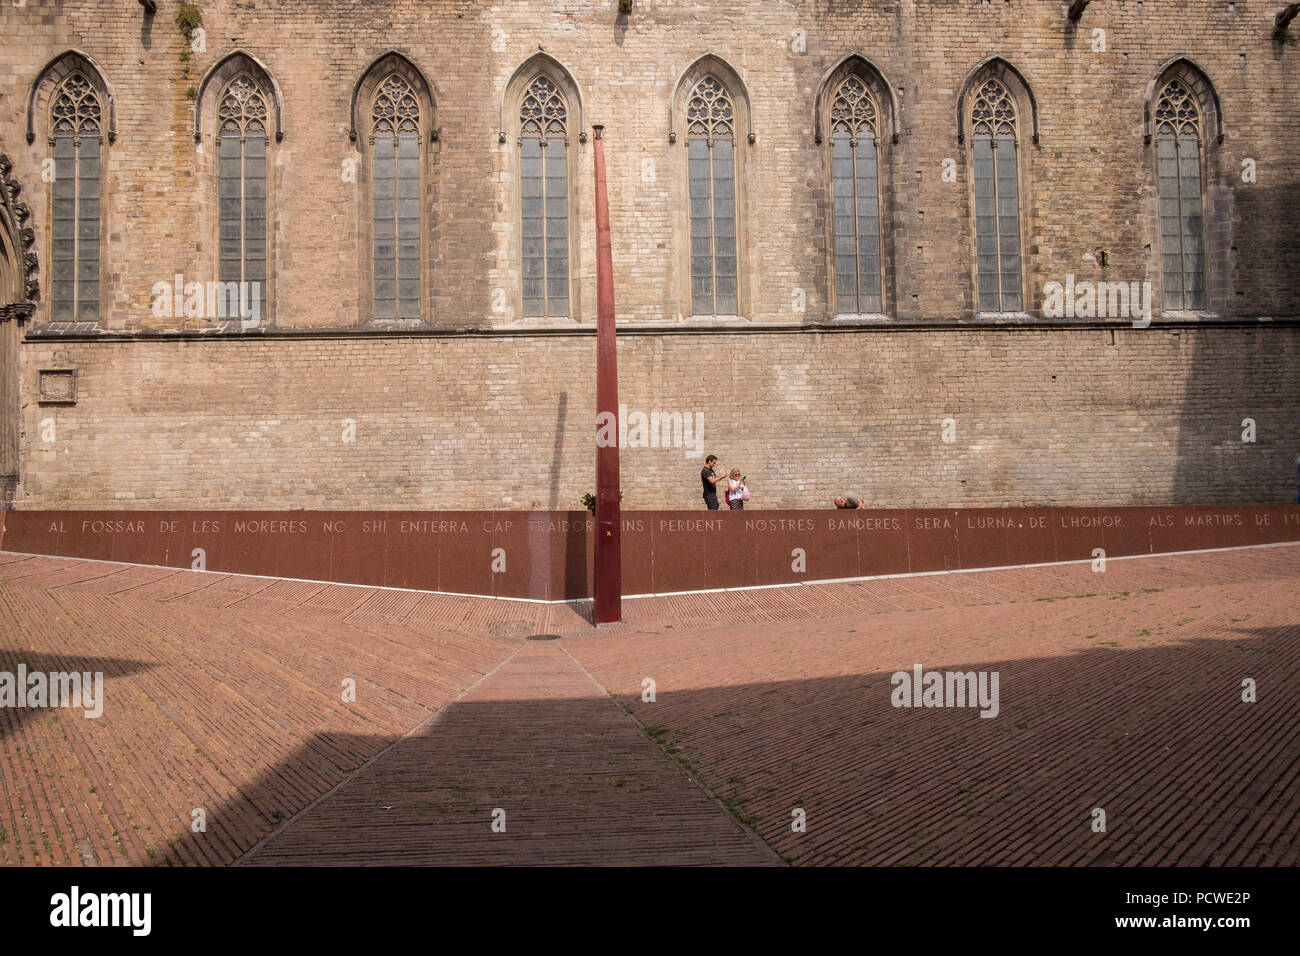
(709,488)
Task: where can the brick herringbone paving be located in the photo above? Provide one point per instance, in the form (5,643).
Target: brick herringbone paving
(1119,691)
(220,695)
(538,747)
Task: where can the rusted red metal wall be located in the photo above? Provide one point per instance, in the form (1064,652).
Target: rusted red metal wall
(548,555)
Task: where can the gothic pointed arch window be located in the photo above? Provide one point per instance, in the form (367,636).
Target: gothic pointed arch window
(994,133)
(855,197)
(76,132)
(395,124)
(544,198)
(711,177)
(1178,126)
(241,188)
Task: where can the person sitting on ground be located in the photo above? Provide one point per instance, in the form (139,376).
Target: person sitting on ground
(847,501)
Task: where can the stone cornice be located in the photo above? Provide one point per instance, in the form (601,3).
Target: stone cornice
(88,332)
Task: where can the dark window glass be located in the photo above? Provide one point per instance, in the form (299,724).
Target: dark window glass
(396,201)
(75,229)
(995,179)
(855,199)
(711,192)
(1178,178)
(544,199)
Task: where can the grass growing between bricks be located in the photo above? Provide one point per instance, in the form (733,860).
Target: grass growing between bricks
(661,736)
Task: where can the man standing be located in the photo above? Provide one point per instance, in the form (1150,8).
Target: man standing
(709,479)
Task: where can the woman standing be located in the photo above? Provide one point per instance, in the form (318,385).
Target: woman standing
(735,491)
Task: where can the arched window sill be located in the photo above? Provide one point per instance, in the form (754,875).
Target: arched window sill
(861,318)
(1007,318)
(537,322)
(722,321)
(1189,315)
(394,325)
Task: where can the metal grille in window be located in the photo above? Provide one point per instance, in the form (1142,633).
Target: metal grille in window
(997,199)
(396,189)
(1178,173)
(856,198)
(544,199)
(710,120)
(241,186)
(75,122)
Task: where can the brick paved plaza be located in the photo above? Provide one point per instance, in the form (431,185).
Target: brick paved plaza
(1119,690)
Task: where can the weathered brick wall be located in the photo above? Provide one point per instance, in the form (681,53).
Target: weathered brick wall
(469,421)
(1091,175)
(1042,417)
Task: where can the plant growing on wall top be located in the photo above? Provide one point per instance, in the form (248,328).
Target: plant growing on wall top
(189,20)
(589,501)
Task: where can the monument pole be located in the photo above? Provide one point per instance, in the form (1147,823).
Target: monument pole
(609,568)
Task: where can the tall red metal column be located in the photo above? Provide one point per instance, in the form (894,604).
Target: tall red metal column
(609,566)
